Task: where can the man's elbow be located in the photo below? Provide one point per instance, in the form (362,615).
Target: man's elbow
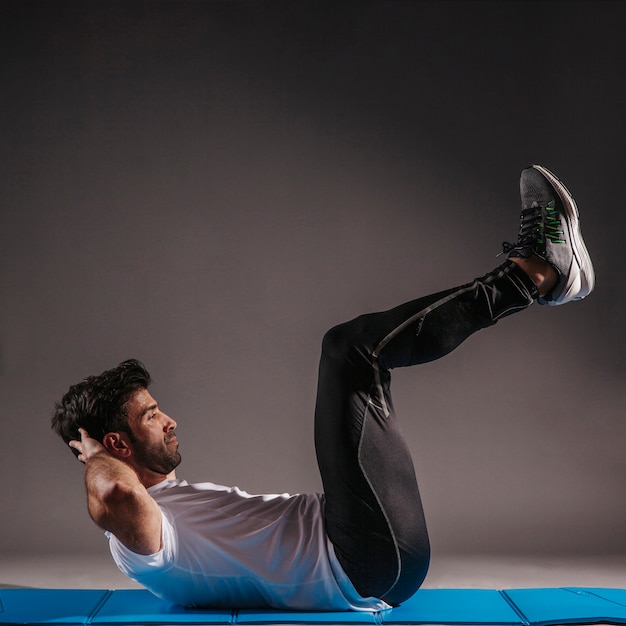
(112,500)
(131,515)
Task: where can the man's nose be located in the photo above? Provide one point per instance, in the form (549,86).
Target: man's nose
(170,424)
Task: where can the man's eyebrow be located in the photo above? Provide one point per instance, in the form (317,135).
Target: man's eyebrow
(149,408)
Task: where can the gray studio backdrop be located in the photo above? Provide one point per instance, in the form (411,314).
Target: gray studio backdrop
(209,186)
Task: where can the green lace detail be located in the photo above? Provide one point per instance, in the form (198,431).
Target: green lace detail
(552,225)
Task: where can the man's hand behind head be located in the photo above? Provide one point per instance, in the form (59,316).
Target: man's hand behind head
(87,446)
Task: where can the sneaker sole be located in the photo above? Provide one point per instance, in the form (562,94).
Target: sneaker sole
(581,278)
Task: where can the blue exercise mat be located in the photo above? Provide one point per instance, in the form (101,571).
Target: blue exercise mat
(512,607)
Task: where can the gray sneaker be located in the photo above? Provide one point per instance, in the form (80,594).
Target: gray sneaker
(550,229)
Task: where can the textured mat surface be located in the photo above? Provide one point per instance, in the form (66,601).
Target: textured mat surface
(523,607)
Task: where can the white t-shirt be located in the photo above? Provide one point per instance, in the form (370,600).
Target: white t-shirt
(223,547)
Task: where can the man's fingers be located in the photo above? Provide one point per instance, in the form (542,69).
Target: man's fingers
(87,446)
(80,444)
(77,445)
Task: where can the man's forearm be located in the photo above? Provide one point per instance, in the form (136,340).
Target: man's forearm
(105,475)
(108,482)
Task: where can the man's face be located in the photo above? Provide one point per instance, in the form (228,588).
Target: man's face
(154,444)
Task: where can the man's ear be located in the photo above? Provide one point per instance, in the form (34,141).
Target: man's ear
(117,444)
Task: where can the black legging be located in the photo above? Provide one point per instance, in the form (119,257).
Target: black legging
(373,511)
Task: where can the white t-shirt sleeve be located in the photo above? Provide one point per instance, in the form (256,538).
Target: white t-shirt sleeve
(132,564)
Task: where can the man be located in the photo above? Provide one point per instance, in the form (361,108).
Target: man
(362,544)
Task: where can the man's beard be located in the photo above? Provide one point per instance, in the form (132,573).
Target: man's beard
(157,458)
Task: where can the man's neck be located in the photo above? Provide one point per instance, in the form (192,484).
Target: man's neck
(149,479)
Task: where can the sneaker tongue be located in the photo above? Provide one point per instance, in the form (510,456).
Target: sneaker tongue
(535,191)
(531,198)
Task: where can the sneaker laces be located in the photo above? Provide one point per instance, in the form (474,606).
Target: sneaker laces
(530,231)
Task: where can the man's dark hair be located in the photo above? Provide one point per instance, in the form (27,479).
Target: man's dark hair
(97,403)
